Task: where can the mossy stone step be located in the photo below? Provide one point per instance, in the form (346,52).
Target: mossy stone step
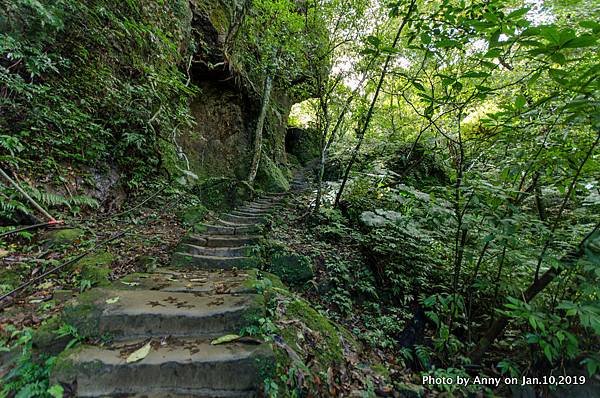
(178,393)
(237,224)
(180,259)
(185,367)
(198,282)
(259,205)
(250,213)
(123,314)
(221,240)
(239,219)
(239,251)
(228,230)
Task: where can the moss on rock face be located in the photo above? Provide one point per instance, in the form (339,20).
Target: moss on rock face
(96,268)
(63,236)
(270,177)
(193,215)
(221,193)
(294,269)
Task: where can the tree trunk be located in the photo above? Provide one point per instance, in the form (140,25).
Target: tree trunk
(258,133)
(365,125)
(325,149)
(497,327)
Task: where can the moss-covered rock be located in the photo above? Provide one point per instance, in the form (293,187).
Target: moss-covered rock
(294,269)
(10,278)
(193,215)
(96,268)
(63,236)
(221,193)
(270,177)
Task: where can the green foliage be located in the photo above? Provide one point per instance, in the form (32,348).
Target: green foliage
(122,69)
(30,376)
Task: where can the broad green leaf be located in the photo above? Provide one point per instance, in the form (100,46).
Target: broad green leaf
(418,85)
(374,40)
(520,101)
(580,42)
(518,13)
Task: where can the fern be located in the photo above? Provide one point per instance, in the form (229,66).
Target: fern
(12,203)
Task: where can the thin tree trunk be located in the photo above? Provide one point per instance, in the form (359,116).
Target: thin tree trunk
(365,125)
(258,133)
(564,205)
(497,327)
(325,149)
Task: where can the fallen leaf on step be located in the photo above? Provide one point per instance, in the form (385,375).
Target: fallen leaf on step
(112,300)
(228,338)
(130,283)
(3,253)
(202,280)
(139,354)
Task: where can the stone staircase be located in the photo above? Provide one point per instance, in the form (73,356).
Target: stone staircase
(207,293)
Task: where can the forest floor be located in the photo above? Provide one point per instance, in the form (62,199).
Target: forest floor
(151,235)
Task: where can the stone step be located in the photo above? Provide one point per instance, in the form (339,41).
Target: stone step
(221,240)
(180,259)
(256,208)
(266,201)
(239,251)
(198,282)
(180,393)
(187,367)
(239,219)
(228,230)
(250,213)
(141,313)
(236,224)
(278,195)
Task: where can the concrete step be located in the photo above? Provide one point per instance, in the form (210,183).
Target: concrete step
(239,219)
(259,205)
(197,282)
(250,213)
(266,201)
(221,240)
(236,224)
(186,393)
(186,367)
(181,259)
(228,230)
(276,195)
(239,251)
(147,313)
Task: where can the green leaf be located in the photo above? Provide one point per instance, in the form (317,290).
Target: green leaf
(56,391)
(425,38)
(447,43)
(520,101)
(474,74)
(595,26)
(418,85)
(580,42)
(228,338)
(374,40)
(518,13)
(558,58)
